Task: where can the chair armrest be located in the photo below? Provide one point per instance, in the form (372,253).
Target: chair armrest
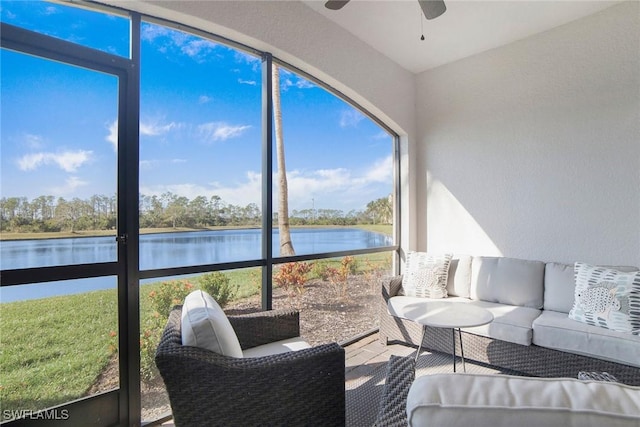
(391,288)
(393,402)
(265,327)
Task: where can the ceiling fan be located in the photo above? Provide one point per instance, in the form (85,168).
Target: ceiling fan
(431,8)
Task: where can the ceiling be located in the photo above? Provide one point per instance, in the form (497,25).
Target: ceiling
(393,27)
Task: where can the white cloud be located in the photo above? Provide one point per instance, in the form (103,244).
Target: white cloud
(165,40)
(247,82)
(112,137)
(34,142)
(239,194)
(380,171)
(220,131)
(156,129)
(204,99)
(71,185)
(69,161)
(350,118)
(337,188)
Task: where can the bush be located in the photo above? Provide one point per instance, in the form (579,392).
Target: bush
(292,276)
(320,269)
(218,285)
(169,294)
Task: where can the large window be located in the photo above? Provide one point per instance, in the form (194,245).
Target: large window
(137,165)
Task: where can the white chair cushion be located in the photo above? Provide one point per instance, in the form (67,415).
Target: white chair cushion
(205,325)
(501,400)
(277,347)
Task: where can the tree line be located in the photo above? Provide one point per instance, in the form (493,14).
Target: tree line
(99,212)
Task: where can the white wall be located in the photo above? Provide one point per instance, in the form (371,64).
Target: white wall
(302,37)
(532,150)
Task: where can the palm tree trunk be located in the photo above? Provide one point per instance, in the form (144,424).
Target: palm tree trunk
(286,246)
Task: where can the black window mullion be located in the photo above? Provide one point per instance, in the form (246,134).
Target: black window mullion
(267,182)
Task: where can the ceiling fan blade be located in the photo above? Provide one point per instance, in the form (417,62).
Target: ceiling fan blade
(335,4)
(432,8)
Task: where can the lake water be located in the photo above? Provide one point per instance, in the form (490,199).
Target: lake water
(164,250)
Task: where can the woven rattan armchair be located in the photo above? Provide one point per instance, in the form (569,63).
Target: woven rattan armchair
(299,388)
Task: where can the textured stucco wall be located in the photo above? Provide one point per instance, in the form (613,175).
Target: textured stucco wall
(302,37)
(532,150)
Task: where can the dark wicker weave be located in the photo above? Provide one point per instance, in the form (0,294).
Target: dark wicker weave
(301,388)
(529,360)
(401,372)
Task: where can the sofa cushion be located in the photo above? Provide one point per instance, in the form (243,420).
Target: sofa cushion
(277,347)
(510,323)
(502,400)
(459,280)
(555,330)
(559,285)
(607,298)
(507,281)
(205,325)
(426,275)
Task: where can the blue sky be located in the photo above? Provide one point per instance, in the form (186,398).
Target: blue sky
(200,128)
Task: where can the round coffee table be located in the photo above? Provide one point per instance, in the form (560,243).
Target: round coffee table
(442,314)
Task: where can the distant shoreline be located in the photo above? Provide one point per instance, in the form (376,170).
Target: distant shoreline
(386,229)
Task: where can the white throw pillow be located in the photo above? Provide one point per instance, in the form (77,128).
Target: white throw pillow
(205,325)
(607,298)
(426,275)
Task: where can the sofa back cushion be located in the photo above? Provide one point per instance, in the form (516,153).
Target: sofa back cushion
(560,285)
(459,280)
(205,325)
(502,400)
(507,281)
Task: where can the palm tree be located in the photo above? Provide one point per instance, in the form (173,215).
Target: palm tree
(286,246)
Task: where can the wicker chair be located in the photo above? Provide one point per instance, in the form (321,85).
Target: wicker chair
(301,388)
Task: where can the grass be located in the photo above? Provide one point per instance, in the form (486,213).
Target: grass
(52,350)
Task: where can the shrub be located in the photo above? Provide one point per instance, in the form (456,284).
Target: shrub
(320,269)
(169,294)
(218,285)
(292,276)
(349,265)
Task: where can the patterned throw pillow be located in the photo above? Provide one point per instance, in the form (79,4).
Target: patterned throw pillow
(426,275)
(607,298)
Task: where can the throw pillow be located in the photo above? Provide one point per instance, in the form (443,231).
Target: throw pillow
(607,298)
(205,325)
(426,275)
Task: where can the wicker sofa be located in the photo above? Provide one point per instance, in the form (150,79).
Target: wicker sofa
(531,332)
(302,387)
(503,400)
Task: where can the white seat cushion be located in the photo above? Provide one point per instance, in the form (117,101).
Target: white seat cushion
(511,323)
(555,330)
(205,325)
(502,400)
(284,346)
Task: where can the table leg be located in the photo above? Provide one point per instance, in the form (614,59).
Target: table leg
(453,352)
(461,350)
(420,345)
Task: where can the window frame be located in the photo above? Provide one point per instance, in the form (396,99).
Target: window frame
(128,397)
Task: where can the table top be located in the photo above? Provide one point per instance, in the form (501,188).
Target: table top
(441,314)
